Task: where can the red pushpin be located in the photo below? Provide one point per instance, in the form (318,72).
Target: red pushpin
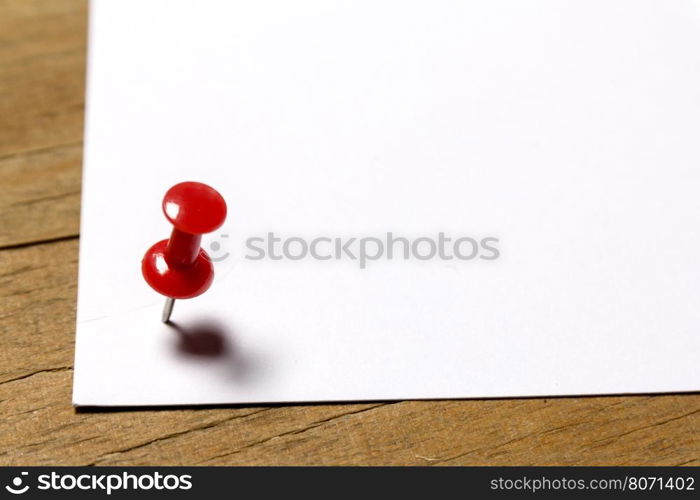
(177,267)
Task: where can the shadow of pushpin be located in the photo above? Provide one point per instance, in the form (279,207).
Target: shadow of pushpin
(178,267)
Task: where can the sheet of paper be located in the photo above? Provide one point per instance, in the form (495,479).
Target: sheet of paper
(560,136)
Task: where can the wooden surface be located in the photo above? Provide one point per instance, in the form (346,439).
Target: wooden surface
(42,65)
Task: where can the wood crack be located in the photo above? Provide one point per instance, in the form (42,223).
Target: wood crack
(33,201)
(505,443)
(26,244)
(609,440)
(172,436)
(19,270)
(311,426)
(39,150)
(46,370)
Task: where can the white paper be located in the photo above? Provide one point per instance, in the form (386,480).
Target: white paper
(569,130)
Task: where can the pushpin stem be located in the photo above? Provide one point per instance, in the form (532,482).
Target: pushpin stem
(168,309)
(183,248)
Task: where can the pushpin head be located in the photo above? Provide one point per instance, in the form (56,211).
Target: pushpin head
(176,282)
(194,208)
(177,267)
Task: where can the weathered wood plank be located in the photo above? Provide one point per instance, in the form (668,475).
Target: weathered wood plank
(37,308)
(41,195)
(567,431)
(42,74)
(30,28)
(40,428)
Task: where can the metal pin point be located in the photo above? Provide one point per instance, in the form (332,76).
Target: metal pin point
(168,309)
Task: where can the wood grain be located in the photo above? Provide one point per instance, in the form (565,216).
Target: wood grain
(42,75)
(42,60)
(43,201)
